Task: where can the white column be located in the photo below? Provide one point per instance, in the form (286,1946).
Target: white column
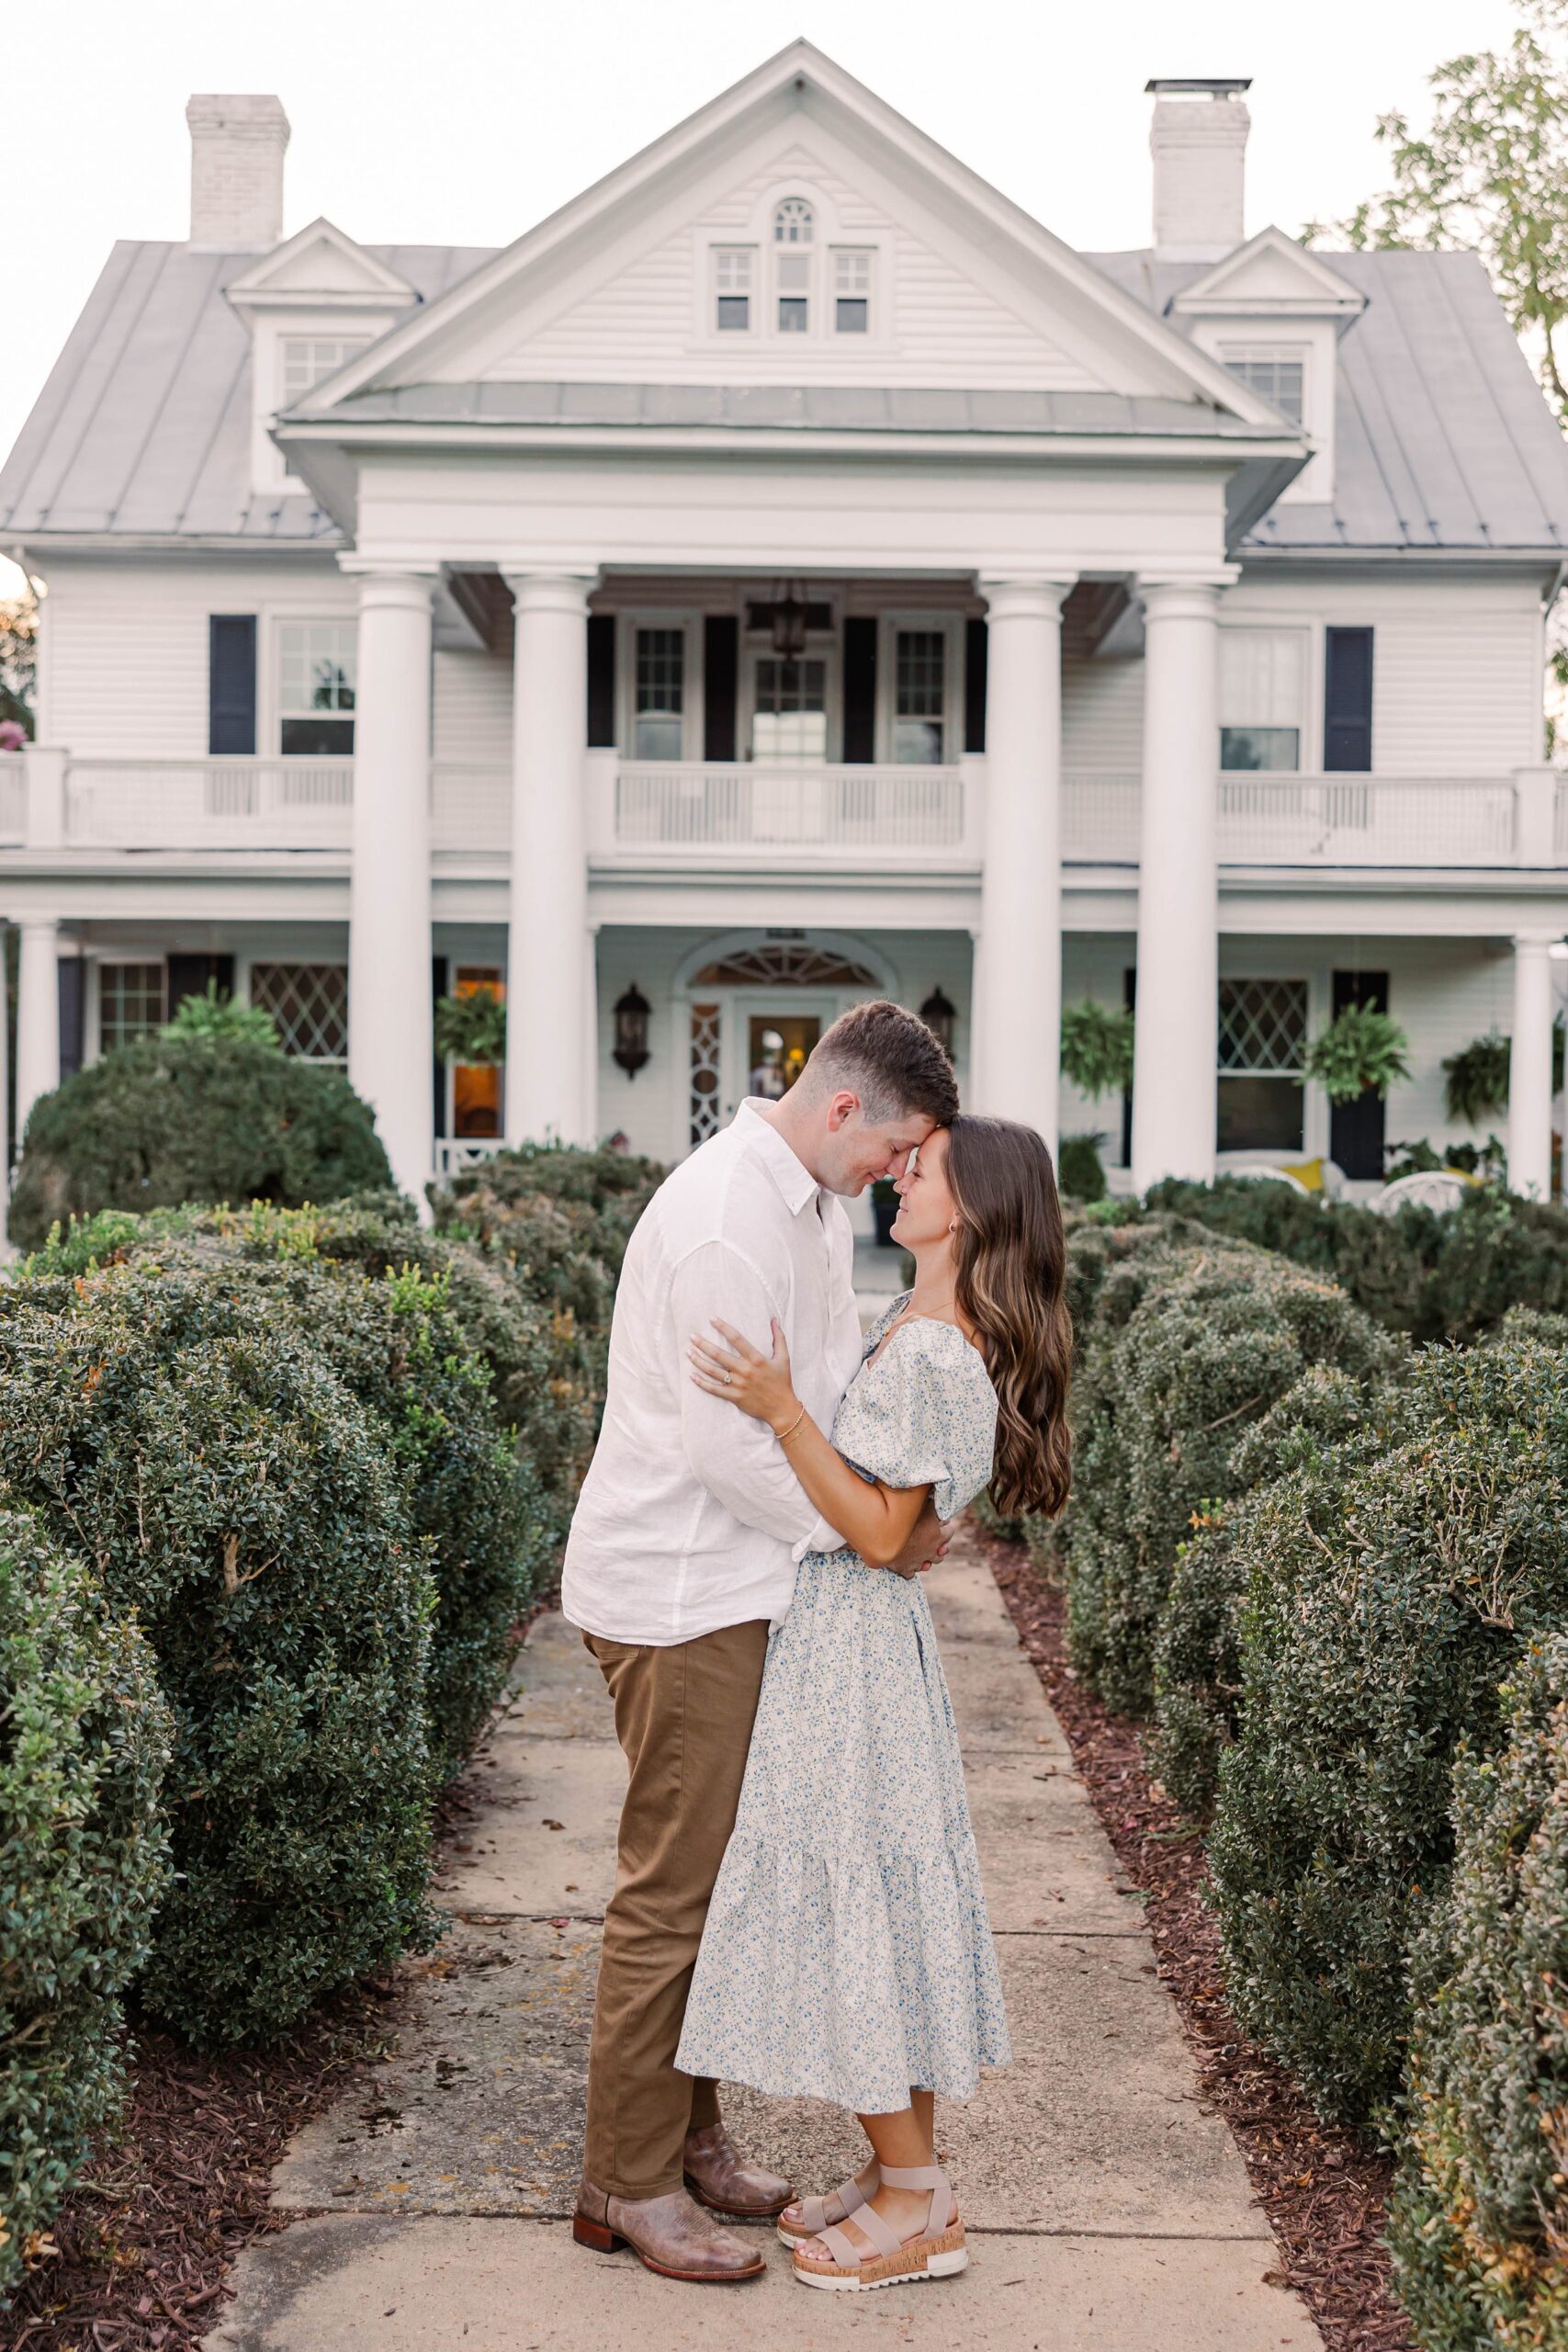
(1177,1022)
(547,1011)
(1017,972)
(1530,1068)
(37,1014)
(390,1044)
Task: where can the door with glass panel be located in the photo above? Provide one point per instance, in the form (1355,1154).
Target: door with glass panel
(656,808)
(788,740)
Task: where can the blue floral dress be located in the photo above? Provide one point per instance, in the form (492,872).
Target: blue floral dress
(847,1954)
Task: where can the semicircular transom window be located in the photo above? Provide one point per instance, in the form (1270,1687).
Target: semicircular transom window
(785,963)
(793,221)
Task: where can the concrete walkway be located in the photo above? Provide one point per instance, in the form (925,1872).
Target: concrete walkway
(1105,2208)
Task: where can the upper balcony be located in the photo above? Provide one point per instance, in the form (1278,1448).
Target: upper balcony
(674,816)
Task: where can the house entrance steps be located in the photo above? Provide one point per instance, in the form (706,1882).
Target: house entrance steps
(1106,2210)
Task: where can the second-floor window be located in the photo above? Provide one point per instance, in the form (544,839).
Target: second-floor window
(659,718)
(920,697)
(733,269)
(851,293)
(306,360)
(1275,372)
(1262,685)
(316,666)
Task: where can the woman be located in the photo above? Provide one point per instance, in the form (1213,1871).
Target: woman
(847,1954)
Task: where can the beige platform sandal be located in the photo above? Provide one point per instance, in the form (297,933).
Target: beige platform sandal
(815,2217)
(939,2251)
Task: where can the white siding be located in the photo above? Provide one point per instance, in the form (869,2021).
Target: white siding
(125,672)
(1102,712)
(471,722)
(642,324)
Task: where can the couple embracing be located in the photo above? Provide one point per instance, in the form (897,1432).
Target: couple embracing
(797,1900)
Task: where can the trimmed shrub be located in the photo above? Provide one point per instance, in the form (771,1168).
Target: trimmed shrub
(1189,1347)
(177,1118)
(84,1742)
(1382,1609)
(229,1487)
(598,1197)
(1479,2218)
(1079,1169)
(1197,1644)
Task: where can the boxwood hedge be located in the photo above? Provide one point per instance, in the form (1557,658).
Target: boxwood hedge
(1480,2213)
(85,1735)
(228,1488)
(1188,1345)
(1382,1609)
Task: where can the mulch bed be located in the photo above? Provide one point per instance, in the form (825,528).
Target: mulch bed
(147,2236)
(1322,2188)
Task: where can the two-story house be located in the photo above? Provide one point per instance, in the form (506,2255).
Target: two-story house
(785,574)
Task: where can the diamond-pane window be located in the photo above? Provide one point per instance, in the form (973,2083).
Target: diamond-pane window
(309,1003)
(1263,1026)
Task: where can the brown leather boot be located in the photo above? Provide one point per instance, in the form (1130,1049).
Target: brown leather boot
(669,2234)
(720,2176)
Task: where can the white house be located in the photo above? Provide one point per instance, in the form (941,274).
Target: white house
(789,572)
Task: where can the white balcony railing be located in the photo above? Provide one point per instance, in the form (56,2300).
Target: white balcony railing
(860,811)
(1339,821)
(675,815)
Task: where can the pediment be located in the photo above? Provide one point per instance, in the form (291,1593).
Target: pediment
(613,287)
(1271,275)
(321,265)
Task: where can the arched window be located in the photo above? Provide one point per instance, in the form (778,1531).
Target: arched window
(792,221)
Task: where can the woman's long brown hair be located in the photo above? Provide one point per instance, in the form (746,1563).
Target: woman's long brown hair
(1011,1257)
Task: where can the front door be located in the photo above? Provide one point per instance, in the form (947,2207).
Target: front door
(769,1037)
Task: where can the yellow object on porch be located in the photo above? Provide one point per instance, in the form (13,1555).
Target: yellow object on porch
(1305,1172)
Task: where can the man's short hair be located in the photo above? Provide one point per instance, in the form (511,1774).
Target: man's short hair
(885,1054)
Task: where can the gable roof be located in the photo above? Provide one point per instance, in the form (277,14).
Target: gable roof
(440,343)
(1442,440)
(321,264)
(1272,269)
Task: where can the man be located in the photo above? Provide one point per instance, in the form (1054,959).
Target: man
(682,1552)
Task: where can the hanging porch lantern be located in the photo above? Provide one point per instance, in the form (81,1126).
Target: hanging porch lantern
(791,617)
(939,1017)
(631,1030)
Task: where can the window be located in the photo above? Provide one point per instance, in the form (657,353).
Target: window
(476,1088)
(1262,1044)
(790,720)
(317,663)
(657,725)
(1262,674)
(309,360)
(792,231)
(919,689)
(732,289)
(1275,374)
(851,293)
(308,1005)
(131,1002)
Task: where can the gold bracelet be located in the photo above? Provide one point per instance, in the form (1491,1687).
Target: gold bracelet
(784,1436)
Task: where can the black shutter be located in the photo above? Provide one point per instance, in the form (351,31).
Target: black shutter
(860,688)
(1348,700)
(72,971)
(188,976)
(437,990)
(1130,998)
(602,680)
(976,653)
(232,682)
(721,681)
(1357,1130)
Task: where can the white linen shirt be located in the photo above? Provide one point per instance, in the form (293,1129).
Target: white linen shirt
(691,1518)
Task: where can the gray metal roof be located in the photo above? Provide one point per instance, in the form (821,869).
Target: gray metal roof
(846,408)
(1442,438)
(142,429)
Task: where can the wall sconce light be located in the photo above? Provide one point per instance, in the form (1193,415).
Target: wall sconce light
(631,1030)
(940,1018)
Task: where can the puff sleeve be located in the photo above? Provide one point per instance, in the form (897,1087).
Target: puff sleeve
(922,1413)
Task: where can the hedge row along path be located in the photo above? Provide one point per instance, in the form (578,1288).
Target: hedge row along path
(1109,2208)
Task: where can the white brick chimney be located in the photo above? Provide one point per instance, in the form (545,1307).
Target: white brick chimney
(236,170)
(1198,139)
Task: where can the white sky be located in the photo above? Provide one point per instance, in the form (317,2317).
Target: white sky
(464,121)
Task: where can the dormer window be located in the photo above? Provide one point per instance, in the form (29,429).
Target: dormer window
(1276,372)
(306,360)
(792,231)
(732,274)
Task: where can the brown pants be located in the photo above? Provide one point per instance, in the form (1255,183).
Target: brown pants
(683,1715)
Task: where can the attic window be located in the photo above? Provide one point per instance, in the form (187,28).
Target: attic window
(732,289)
(309,360)
(851,293)
(793,221)
(1277,375)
